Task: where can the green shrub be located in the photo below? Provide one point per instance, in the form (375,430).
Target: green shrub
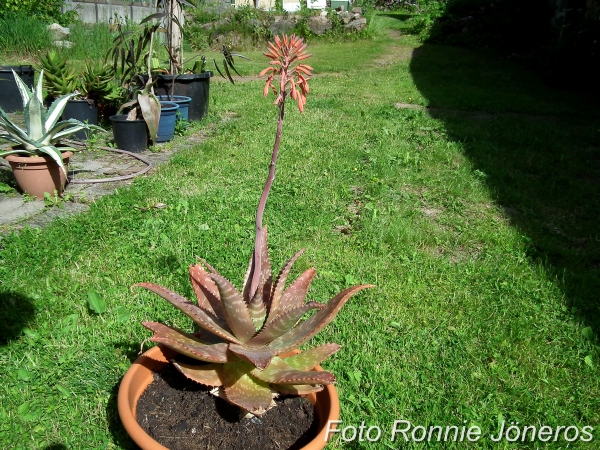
(45,10)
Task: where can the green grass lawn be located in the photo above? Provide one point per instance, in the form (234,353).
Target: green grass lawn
(477,219)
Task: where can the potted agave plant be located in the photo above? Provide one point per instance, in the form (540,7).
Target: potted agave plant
(43,164)
(248,347)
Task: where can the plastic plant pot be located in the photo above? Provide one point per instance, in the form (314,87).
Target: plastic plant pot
(181,100)
(168,119)
(10,99)
(194,85)
(130,135)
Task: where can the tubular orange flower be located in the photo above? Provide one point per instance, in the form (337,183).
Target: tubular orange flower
(285,52)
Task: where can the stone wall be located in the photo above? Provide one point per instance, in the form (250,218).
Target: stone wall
(109,11)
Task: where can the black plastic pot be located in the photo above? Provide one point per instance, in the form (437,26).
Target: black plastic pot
(195,85)
(83,111)
(10,98)
(130,135)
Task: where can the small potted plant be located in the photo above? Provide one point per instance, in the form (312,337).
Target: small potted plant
(43,164)
(131,57)
(94,86)
(248,347)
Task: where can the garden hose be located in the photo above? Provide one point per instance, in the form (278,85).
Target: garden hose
(119,178)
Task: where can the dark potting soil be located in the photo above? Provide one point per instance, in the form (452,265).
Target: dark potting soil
(182,415)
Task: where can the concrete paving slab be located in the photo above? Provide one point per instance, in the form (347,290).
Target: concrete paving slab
(14,209)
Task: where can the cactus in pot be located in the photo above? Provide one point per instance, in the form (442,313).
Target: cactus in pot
(247,335)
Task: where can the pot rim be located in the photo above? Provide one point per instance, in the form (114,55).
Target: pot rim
(15,158)
(168,106)
(120,118)
(22,68)
(176,99)
(159,355)
(187,76)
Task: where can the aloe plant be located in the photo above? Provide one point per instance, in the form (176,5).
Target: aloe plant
(60,80)
(248,335)
(97,82)
(43,128)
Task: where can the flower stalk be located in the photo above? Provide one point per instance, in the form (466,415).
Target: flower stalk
(285,54)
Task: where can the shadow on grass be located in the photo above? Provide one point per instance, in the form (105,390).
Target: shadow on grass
(537,150)
(120,436)
(398,16)
(16,312)
(56,447)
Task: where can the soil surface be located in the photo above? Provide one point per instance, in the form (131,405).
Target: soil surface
(182,415)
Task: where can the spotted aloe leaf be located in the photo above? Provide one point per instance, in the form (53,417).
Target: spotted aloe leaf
(283,323)
(295,294)
(235,309)
(309,359)
(207,374)
(259,302)
(296,389)
(206,290)
(310,327)
(244,390)
(279,287)
(188,344)
(258,356)
(279,372)
(210,323)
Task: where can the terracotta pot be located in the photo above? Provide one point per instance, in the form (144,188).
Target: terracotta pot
(139,376)
(39,174)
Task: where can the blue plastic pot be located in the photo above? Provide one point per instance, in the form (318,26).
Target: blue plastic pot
(181,100)
(168,118)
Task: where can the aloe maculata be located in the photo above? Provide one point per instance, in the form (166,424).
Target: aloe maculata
(43,127)
(247,333)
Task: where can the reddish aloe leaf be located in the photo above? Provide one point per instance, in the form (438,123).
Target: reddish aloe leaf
(207,374)
(309,359)
(245,391)
(188,344)
(245,284)
(296,389)
(279,372)
(199,316)
(307,329)
(259,357)
(236,310)
(206,291)
(279,286)
(283,323)
(258,310)
(265,267)
(295,294)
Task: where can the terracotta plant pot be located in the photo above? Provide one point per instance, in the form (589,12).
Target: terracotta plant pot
(39,174)
(140,375)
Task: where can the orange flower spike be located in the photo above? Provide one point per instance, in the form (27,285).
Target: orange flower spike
(303,70)
(301,49)
(266,71)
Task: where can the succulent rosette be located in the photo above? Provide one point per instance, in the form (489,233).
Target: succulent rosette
(248,336)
